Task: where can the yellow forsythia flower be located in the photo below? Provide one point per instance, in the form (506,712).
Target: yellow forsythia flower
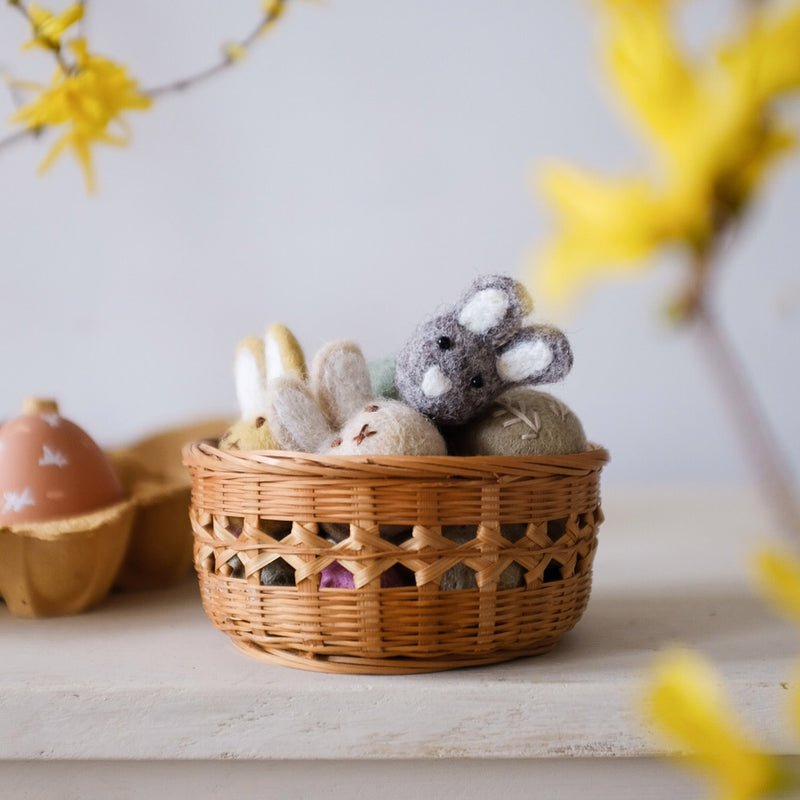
(616,222)
(48,28)
(712,129)
(88,101)
(685,702)
(765,59)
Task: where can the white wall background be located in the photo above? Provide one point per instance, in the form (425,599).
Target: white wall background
(355,172)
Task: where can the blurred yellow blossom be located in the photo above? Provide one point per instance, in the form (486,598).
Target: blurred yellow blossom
(48,28)
(88,100)
(684,701)
(777,573)
(712,129)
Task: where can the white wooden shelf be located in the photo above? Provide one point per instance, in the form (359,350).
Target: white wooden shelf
(146,680)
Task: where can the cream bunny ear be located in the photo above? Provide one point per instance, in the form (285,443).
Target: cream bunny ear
(250,375)
(296,421)
(283,353)
(340,381)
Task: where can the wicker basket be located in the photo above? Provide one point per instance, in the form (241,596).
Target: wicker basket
(237,497)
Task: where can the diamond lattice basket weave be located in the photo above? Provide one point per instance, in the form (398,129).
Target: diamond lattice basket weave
(536,515)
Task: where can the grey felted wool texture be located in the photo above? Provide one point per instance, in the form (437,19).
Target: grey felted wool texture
(463,577)
(337,531)
(522,422)
(339,414)
(455,365)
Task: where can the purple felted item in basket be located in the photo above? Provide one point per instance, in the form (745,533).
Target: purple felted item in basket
(335,576)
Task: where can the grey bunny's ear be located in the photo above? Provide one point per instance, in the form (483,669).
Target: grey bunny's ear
(537,354)
(494,308)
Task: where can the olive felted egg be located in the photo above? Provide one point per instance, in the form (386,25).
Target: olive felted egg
(522,422)
(51,469)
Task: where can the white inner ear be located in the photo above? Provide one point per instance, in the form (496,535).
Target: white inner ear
(272,357)
(524,360)
(435,383)
(484,311)
(249,385)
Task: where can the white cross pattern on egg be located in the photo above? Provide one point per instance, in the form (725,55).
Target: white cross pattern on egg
(52,458)
(16,501)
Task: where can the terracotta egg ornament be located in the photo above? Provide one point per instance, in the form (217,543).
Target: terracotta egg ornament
(51,469)
(64,519)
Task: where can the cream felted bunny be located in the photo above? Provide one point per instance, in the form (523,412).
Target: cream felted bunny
(337,413)
(257,363)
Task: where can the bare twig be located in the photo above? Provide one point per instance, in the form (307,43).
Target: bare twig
(772,470)
(14,138)
(209,72)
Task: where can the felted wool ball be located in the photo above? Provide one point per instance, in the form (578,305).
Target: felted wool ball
(522,422)
(381,377)
(335,576)
(338,531)
(463,577)
(278,573)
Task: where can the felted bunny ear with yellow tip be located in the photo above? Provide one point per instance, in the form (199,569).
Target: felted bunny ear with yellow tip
(257,363)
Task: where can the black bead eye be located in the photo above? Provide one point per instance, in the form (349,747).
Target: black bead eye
(444,342)
(476,382)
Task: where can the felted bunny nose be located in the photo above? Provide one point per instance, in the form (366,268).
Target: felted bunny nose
(435,383)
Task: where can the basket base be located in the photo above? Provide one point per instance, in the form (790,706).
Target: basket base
(354,665)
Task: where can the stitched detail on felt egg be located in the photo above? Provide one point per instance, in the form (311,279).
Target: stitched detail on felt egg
(517,413)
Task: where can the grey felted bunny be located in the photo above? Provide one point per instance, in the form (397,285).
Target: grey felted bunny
(457,364)
(337,412)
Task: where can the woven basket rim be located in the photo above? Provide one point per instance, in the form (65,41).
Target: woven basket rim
(204,454)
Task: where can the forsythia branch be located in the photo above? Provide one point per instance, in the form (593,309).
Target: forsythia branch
(89,93)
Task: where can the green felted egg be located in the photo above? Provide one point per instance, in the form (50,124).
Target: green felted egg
(381,377)
(522,422)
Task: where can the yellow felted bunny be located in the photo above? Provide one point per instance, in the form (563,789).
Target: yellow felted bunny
(257,363)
